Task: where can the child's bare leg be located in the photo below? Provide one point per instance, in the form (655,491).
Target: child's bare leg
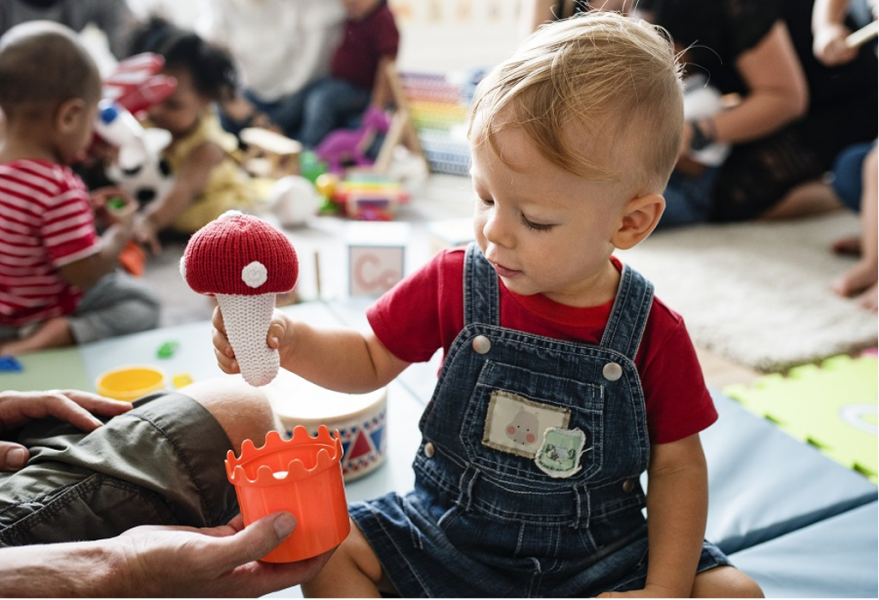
(725,582)
(862,277)
(352,572)
(54,333)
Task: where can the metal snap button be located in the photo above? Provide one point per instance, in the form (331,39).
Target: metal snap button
(612,371)
(429,450)
(481,344)
(628,485)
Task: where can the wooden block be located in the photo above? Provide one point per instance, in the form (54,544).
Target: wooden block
(376,256)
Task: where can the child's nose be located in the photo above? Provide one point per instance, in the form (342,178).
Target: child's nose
(497,230)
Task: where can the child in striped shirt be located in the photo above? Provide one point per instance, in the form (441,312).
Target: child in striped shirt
(59,283)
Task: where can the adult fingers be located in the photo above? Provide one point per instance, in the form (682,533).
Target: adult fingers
(12,456)
(253,542)
(97,404)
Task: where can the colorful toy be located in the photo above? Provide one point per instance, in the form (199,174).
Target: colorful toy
(127,93)
(181,380)
(130,383)
(832,406)
(359,419)
(438,106)
(301,476)
(326,184)
(270,154)
(376,256)
(294,200)
(349,146)
(135,84)
(310,166)
(244,262)
(368,197)
(167,349)
(9,364)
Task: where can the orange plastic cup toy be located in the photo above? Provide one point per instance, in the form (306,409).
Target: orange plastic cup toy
(302,476)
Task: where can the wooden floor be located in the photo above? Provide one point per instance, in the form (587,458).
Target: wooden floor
(720,372)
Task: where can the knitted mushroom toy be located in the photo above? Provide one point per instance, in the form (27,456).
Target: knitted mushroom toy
(244,262)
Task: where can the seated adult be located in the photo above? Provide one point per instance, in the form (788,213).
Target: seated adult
(280,47)
(121,500)
(794,117)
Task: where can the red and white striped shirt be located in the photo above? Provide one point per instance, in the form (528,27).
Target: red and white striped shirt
(46,222)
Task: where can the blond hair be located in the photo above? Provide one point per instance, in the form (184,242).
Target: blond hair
(598,83)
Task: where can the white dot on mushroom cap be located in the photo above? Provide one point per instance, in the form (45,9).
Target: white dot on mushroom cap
(183,267)
(230,213)
(254,274)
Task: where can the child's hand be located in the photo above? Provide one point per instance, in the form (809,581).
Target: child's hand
(114,206)
(278,329)
(77,408)
(146,233)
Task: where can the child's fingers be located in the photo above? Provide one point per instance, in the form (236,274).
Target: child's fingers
(227,365)
(274,335)
(217,321)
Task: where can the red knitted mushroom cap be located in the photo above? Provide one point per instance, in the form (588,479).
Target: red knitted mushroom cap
(239,254)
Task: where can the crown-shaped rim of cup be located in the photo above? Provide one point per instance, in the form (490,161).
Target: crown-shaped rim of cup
(296,470)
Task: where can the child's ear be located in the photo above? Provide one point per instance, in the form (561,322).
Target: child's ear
(640,218)
(69,113)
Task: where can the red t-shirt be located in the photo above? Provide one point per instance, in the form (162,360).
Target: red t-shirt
(45,223)
(364,44)
(425,312)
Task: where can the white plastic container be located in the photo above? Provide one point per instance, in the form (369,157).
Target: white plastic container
(119,127)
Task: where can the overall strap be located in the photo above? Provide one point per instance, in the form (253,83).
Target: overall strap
(628,317)
(481,291)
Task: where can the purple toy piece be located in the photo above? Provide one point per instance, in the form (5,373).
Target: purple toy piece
(350,144)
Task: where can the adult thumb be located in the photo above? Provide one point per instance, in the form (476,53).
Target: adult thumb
(259,538)
(12,456)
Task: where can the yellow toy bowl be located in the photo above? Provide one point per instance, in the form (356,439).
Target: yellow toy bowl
(130,383)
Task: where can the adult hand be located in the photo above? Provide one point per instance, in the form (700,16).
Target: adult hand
(829,45)
(279,329)
(75,407)
(218,561)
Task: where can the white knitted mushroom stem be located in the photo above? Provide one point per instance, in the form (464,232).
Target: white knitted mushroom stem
(247,320)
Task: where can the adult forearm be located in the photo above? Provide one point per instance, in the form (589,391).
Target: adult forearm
(83,569)
(758,115)
(826,12)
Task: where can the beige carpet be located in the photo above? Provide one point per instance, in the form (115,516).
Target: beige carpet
(758,293)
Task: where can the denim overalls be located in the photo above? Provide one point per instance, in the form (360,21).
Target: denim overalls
(527,480)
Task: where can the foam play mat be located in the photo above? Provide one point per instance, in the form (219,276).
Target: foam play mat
(832,406)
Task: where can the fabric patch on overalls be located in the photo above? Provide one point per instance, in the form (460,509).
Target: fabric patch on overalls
(513,423)
(560,451)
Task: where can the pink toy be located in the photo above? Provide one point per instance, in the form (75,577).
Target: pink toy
(351,144)
(244,262)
